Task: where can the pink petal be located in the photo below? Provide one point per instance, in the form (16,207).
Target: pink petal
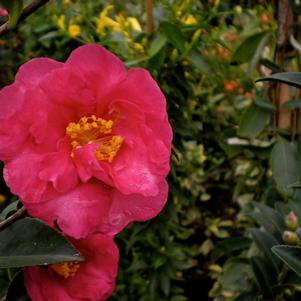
(99,67)
(97,274)
(58,168)
(78,212)
(21,175)
(32,72)
(133,207)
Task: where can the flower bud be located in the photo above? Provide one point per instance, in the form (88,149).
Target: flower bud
(290,238)
(291,221)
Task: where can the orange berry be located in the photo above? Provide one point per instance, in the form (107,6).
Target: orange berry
(264,18)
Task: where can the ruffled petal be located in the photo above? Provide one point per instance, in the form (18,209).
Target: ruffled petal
(21,175)
(101,69)
(41,286)
(97,274)
(78,212)
(133,207)
(33,71)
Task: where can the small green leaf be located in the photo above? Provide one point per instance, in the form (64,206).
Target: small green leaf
(174,35)
(245,51)
(29,242)
(285,164)
(253,121)
(292,104)
(197,60)
(291,255)
(290,78)
(157,44)
(230,245)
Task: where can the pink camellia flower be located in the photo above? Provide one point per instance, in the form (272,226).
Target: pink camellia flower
(90,280)
(85,142)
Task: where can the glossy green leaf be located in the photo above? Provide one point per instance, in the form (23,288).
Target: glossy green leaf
(265,242)
(14,8)
(285,164)
(290,78)
(292,104)
(291,255)
(174,35)
(269,218)
(264,104)
(253,121)
(245,51)
(29,242)
(264,277)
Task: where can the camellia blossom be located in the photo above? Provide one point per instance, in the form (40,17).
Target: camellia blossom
(85,143)
(90,280)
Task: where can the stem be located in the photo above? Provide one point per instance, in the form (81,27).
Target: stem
(27,11)
(12,218)
(149,16)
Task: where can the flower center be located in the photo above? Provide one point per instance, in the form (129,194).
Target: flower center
(65,269)
(92,129)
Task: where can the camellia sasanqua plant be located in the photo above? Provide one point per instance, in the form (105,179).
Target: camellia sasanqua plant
(86,152)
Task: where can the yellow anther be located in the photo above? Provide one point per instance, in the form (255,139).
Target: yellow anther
(97,130)
(65,269)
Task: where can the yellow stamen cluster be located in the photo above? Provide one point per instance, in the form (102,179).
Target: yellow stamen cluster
(92,129)
(65,269)
(108,148)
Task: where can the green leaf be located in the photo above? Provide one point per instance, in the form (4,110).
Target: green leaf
(265,242)
(253,121)
(16,290)
(197,60)
(269,218)
(14,8)
(245,51)
(292,104)
(258,53)
(264,104)
(290,78)
(157,44)
(285,164)
(174,35)
(230,245)
(236,275)
(29,242)
(264,278)
(291,255)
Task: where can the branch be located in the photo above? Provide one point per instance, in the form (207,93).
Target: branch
(27,11)
(12,218)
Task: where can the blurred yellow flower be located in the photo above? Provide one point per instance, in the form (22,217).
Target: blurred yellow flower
(189,20)
(134,23)
(66,2)
(73,30)
(61,22)
(103,21)
(2,199)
